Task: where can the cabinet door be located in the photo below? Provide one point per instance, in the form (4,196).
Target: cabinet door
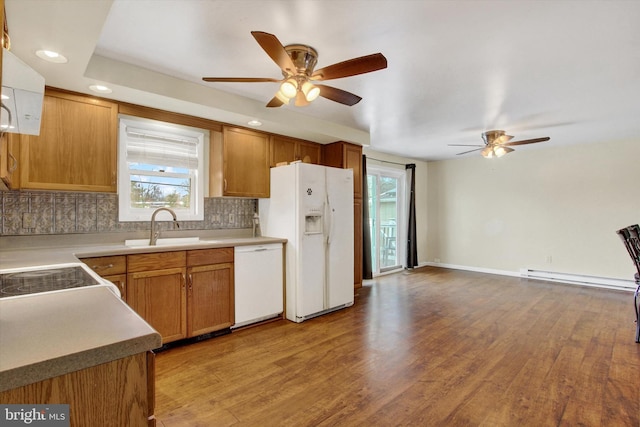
(353,160)
(77,146)
(210,298)
(9,160)
(246,163)
(120,280)
(282,150)
(308,152)
(159,297)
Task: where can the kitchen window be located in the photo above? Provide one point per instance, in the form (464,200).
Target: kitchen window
(161,165)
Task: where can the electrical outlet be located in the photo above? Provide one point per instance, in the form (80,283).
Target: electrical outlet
(232,217)
(549,259)
(28,220)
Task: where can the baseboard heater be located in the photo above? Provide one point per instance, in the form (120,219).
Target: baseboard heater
(578,279)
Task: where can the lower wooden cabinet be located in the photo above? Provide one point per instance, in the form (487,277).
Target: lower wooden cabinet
(208,298)
(191,295)
(112,394)
(111,268)
(159,297)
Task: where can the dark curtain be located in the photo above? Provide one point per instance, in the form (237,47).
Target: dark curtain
(366,233)
(412,244)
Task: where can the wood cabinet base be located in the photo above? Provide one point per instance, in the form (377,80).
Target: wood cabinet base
(115,394)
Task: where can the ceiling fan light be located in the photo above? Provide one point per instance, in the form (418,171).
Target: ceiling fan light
(289,88)
(499,151)
(487,152)
(282,97)
(310,91)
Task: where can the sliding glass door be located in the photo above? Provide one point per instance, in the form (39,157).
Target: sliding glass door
(386,214)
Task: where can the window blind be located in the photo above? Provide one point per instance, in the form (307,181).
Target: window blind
(162,149)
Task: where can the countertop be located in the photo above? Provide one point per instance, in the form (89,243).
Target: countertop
(51,334)
(50,250)
(47,335)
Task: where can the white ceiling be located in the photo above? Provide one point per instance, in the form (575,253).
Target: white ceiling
(565,69)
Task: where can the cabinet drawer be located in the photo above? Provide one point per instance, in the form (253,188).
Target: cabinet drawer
(107,265)
(156,261)
(209,256)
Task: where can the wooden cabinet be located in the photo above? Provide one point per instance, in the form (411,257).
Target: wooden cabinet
(192,294)
(112,268)
(243,157)
(210,295)
(156,290)
(9,155)
(117,393)
(77,146)
(349,156)
(285,149)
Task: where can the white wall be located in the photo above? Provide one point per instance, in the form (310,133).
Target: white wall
(421,193)
(552,209)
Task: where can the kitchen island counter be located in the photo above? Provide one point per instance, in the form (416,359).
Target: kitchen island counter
(47,335)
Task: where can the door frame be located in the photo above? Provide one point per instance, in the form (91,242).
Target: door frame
(401,219)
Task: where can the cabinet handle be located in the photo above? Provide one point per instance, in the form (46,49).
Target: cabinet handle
(14,163)
(97,267)
(225,184)
(190,283)
(184,281)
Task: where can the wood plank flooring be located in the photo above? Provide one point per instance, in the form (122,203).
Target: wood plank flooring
(431,347)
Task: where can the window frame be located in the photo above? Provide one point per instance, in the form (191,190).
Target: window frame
(199,183)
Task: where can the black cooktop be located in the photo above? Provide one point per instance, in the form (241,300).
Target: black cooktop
(46,280)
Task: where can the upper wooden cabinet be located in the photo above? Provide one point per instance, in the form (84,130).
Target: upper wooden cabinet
(243,157)
(347,156)
(285,149)
(77,146)
(9,155)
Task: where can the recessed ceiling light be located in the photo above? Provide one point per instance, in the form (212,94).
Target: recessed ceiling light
(51,56)
(254,123)
(100,89)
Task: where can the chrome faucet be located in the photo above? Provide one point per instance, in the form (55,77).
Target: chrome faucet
(156,233)
(256,225)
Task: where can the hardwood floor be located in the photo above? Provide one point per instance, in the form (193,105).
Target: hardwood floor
(432,347)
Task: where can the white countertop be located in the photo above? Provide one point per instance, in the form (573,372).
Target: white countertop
(51,334)
(49,250)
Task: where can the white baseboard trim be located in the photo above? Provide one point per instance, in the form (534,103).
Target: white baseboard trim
(550,276)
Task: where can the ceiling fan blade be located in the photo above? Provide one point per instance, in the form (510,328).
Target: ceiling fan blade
(239,79)
(338,95)
(503,139)
(351,67)
(527,141)
(275,102)
(272,46)
(470,151)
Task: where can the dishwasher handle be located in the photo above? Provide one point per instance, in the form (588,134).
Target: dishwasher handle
(258,248)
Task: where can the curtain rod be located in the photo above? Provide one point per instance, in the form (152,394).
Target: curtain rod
(385,161)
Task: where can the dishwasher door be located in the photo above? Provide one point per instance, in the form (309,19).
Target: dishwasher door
(258,277)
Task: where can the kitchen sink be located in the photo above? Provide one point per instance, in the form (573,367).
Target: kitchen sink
(169,241)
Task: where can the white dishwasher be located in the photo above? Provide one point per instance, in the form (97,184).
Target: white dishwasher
(258,277)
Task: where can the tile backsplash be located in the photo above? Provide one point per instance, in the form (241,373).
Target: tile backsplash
(39,212)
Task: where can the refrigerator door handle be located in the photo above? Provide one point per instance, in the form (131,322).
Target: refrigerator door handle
(329,220)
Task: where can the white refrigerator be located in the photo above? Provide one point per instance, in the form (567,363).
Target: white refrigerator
(312,207)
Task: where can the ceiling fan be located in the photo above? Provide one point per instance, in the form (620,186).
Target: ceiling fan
(297,62)
(496,144)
